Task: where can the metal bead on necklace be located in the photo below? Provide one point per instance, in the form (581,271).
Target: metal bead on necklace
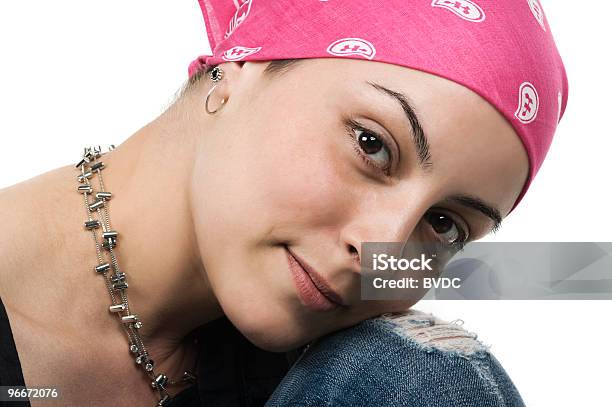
(108,268)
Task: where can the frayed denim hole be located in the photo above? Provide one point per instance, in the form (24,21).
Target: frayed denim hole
(433,334)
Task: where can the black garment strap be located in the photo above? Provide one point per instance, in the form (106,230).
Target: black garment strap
(10,367)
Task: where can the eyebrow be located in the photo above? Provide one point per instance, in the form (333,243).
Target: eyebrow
(419,138)
(422,146)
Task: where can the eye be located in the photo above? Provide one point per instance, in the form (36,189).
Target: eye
(370,146)
(451,234)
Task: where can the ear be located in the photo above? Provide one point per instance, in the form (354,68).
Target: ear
(239,74)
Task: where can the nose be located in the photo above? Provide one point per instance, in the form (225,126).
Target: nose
(378,222)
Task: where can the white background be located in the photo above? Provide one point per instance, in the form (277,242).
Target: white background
(76,73)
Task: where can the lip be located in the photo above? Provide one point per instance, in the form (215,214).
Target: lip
(314,292)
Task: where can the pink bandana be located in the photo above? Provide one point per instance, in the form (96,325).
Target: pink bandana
(502,50)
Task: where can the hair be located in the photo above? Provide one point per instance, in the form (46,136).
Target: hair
(275,67)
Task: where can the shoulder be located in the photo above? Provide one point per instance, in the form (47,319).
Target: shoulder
(400,359)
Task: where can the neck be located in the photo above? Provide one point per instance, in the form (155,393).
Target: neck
(157,248)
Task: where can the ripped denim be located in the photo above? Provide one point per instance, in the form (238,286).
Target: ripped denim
(401,359)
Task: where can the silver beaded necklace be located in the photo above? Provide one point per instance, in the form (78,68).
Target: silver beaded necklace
(117,284)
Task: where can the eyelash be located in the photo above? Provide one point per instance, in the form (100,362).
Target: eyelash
(458,246)
(351,126)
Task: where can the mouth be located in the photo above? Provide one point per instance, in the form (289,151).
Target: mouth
(314,292)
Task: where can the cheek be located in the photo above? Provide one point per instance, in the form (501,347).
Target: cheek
(292,179)
(303,184)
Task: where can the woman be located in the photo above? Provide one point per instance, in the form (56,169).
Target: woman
(248,199)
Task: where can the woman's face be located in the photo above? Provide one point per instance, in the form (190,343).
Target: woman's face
(320,159)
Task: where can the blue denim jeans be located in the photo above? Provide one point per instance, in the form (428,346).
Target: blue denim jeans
(404,359)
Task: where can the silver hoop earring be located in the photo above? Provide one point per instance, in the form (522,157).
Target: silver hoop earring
(215,75)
